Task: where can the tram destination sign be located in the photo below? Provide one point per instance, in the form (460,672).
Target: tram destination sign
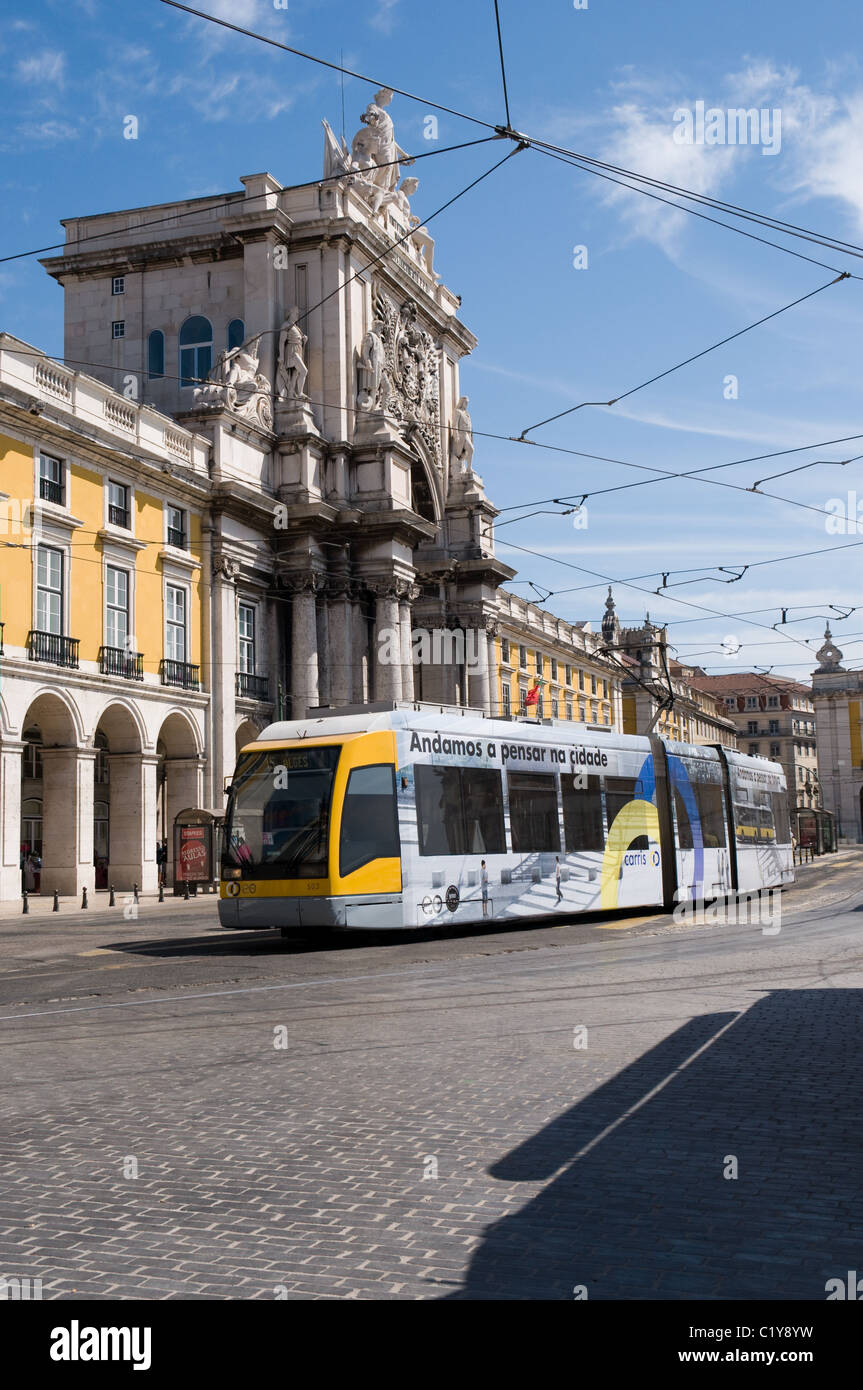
(507,751)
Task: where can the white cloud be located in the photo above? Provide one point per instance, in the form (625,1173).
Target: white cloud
(42,69)
(383,18)
(46,132)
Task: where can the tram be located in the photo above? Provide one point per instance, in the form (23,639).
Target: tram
(409,816)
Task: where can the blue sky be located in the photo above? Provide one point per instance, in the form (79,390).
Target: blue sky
(658,286)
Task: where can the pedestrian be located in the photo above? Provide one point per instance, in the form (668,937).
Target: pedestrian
(483,879)
(557,877)
(29,873)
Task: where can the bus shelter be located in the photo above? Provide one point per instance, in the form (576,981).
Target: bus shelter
(197,848)
(816,831)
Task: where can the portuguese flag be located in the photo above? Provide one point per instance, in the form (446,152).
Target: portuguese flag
(532,697)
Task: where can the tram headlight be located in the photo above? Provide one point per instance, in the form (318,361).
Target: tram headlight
(233,873)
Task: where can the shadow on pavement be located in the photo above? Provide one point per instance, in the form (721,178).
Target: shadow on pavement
(221,941)
(642,1210)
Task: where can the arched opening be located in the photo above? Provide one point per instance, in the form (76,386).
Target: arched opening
(52,799)
(196,350)
(179,783)
(236,333)
(122,803)
(422,500)
(246,733)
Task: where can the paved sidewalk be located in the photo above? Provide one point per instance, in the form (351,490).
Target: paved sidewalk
(42,905)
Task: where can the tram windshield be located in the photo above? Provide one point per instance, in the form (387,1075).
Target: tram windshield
(277,822)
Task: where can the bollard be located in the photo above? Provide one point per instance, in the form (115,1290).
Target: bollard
(84,897)
(161,891)
(185,892)
(135,892)
(112,901)
(25,903)
(56,907)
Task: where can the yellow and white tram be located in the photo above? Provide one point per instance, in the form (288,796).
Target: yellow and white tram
(410,817)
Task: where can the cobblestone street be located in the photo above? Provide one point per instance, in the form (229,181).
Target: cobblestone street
(188,1113)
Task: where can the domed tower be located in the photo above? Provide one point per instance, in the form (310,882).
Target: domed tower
(610,624)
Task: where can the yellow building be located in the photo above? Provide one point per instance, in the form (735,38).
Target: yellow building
(103,591)
(534,646)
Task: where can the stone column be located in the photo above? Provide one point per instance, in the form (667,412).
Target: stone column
(491,629)
(405,632)
(360,652)
(477,669)
(340,653)
(132,834)
(184,788)
(223,684)
(10,824)
(67,820)
(304,651)
(387,644)
(322,637)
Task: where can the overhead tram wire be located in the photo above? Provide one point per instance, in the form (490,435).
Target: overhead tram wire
(623,583)
(717,222)
(710,579)
(734,209)
(665,473)
(236,198)
(842,275)
(502,65)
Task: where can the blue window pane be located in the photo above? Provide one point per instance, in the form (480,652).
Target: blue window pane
(156,353)
(187,367)
(236,333)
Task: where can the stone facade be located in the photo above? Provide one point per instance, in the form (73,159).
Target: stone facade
(837,697)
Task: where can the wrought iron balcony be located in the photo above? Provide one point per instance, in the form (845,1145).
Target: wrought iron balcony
(50,491)
(50,646)
(176,538)
(252,687)
(114,661)
(180,673)
(119,516)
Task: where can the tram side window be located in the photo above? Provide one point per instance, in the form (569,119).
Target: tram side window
(533,812)
(482,796)
(459,810)
(582,812)
(369,820)
(780,817)
(619,791)
(439,812)
(682,822)
(710,800)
